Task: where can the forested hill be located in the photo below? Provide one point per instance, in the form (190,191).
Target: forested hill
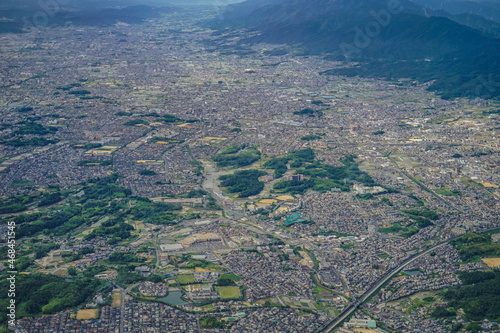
(390,39)
(487,9)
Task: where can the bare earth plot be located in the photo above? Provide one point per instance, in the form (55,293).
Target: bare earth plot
(87,314)
(117,299)
(491,262)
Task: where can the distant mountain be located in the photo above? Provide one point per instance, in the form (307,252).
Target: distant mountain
(106,17)
(10,26)
(80,4)
(191,3)
(403,40)
(13,14)
(235,11)
(487,9)
(474,21)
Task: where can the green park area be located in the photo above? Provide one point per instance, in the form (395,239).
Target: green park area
(478,298)
(229,292)
(315,175)
(474,246)
(47,294)
(185,279)
(237,156)
(21,183)
(246,182)
(206,265)
(294,218)
(230,276)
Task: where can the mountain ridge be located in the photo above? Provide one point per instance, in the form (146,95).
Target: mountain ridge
(14,17)
(377,33)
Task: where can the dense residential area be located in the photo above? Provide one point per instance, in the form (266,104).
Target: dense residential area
(170,178)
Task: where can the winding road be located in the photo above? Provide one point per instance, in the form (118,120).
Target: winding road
(373,290)
(211,174)
(351,308)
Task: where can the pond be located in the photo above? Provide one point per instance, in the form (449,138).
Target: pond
(173,298)
(413,273)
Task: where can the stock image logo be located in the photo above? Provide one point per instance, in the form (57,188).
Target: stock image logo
(219,7)
(372,29)
(33,23)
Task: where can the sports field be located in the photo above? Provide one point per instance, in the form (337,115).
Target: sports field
(185,278)
(87,314)
(229,292)
(117,299)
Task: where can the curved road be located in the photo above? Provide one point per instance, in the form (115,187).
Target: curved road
(209,184)
(351,308)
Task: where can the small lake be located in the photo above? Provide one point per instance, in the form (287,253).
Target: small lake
(173,298)
(413,273)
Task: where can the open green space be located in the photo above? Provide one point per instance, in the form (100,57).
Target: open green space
(147,173)
(168,118)
(447,192)
(96,199)
(315,175)
(478,297)
(46,294)
(403,231)
(384,256)
(321,291)
(309,112)
(31,142)
(246,182)
(30,127)
(185,279)
(237,156)
(474,246)
(231,276)
(212,322)
(18,203)
(311,137)
(193,263)
(21,183)
(229,292)
(422,218)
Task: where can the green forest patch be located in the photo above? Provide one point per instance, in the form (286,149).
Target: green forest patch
(237,157)
(231,276)
(46,294)
(21,183)
(474,246)
(316,176)
(246,183)
(96,198)
(479,297)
